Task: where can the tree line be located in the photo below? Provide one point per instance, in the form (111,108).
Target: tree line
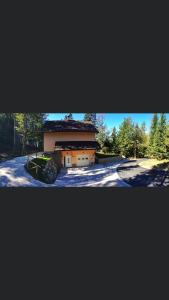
(129,141)
(159,137)
(88,117)
(133,140)
(19,131)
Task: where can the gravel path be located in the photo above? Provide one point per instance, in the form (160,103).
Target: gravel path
(13,174)
(137,176)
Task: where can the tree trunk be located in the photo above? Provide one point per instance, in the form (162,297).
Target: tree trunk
(135,151)
(23,145)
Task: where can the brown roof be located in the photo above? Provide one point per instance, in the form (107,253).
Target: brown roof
(76,145)
(68,126)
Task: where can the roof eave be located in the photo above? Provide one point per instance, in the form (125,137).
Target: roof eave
(51,130)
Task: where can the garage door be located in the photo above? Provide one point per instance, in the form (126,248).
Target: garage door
(83,160)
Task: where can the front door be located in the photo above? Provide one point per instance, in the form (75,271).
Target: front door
(68,161)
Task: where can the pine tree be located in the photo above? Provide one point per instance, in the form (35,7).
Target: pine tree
(153,129)
(137,139)
(6,131)
(143,129)
(160,138)
(144,141)
(167,141)
(90,117)
(114,141)
(125,137)
(36,122)
(103,133)
(22,127)
(29,126)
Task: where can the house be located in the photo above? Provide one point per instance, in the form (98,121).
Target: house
(74,140)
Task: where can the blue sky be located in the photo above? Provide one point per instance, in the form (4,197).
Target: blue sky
(111,119)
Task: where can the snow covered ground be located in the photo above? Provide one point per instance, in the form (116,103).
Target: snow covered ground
(13,174)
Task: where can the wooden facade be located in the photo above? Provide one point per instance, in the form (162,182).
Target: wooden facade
(75,141)
(50,138)
(75,155)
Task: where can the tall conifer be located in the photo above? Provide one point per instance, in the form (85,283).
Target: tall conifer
(114,141)
(160,138)
(125,137)
(153,129)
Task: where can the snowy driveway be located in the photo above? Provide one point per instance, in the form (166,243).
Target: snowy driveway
(13,174)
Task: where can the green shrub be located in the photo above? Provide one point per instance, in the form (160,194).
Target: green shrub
(105,149)
(104,155)
(41,162)
(48,167)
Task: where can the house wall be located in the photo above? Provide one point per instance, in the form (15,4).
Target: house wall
(50,138)
(75,153)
